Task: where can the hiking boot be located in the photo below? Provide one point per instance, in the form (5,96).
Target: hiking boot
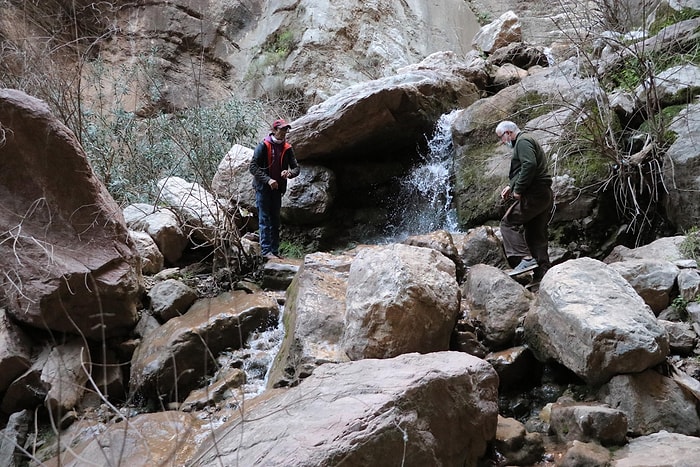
(524,266)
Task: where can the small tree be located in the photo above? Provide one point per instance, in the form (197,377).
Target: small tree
(628,61)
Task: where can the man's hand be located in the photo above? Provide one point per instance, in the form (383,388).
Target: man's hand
(285,174)
(273,183)
(505,193)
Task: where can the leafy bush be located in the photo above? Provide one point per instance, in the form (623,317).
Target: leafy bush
(130,153)
(291,250)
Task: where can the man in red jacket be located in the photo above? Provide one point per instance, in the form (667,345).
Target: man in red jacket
(272,165)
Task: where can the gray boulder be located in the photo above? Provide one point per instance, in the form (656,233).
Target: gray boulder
(653,402)
(399,299)
(313,319)
(162,224)
(498,303)
(609,332)
(438,408)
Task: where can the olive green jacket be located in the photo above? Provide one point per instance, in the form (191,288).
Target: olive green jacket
(528,165)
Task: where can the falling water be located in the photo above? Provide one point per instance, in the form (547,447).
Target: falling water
(424,202)
(256,356)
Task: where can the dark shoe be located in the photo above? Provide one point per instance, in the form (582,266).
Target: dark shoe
(524,266)
(539,274)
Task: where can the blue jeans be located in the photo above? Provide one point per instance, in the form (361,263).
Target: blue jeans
(269,203)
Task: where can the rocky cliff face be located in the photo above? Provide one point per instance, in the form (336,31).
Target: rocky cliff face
(208,50)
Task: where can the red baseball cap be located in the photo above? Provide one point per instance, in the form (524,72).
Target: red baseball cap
(281,123)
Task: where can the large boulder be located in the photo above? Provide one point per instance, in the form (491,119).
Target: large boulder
(497,302)
(665,249)
(499,33)
(68,262)
(609,332)
(434,409)
(388,114)
(654,280)
(233,180)
(399,299)
(653,402)
(204,218)
(314,317)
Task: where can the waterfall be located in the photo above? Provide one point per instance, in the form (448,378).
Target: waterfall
(424,201)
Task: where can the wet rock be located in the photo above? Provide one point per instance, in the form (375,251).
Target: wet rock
(515,444)
(172,359)
(588,422)
(313,319)
(581,454)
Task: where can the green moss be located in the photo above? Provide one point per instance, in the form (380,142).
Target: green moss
(278,48)
(530,106)
(631,71)
(672,16)
(291,250)
(627,75)
(587,154)
(586,167)
(477,193)
(658,124)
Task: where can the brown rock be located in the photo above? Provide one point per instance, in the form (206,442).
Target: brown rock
(15,356)
(68,262)
(433,409)
(172,359)
(164,438)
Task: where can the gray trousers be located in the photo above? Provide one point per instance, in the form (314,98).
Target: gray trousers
(524,225)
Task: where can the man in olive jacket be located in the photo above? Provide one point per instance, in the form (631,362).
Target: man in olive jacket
(524,225)
(272,164)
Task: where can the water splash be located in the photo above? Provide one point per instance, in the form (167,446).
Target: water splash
(255,357)
(424,202)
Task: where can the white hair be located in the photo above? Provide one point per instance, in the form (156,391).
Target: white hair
(507,125)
